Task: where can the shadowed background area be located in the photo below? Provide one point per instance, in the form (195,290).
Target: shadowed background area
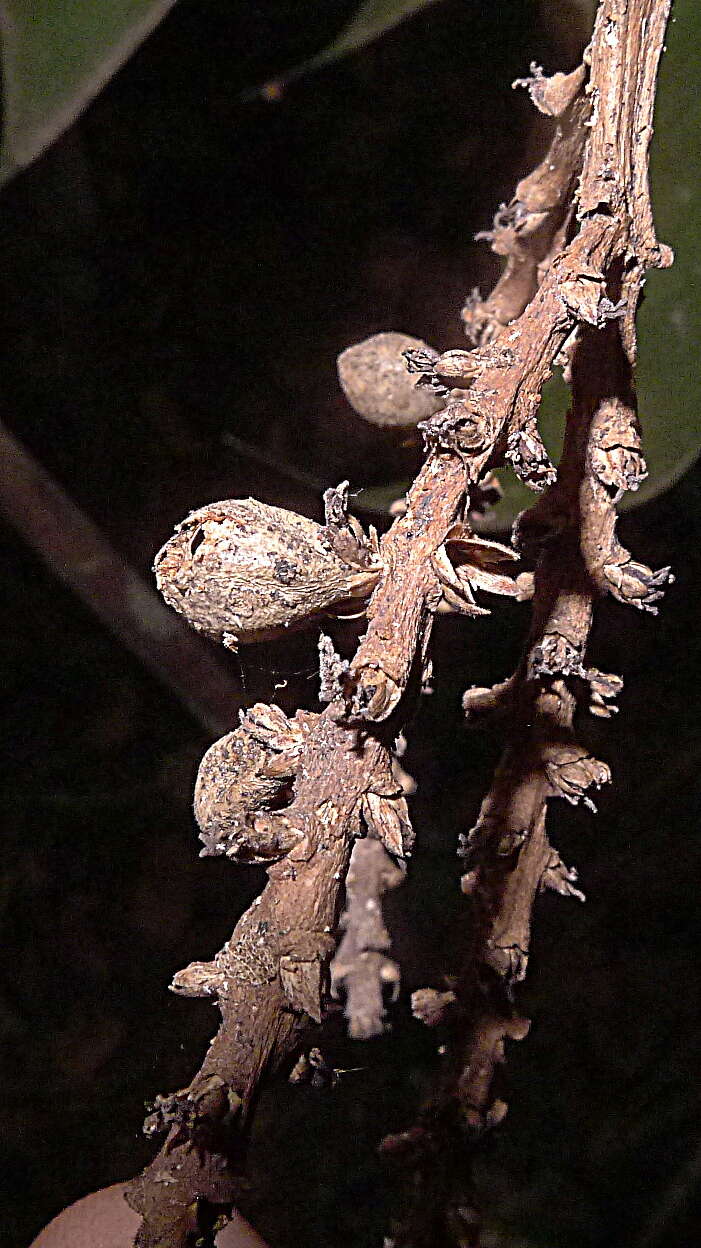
(183,267)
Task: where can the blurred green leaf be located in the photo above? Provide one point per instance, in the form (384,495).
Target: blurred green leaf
(371,20)
(669,376)
(56,56)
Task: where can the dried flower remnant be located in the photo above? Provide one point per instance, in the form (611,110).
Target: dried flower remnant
(387,815)
(242,571)
(616,455)
(432,1007)
(243,775)
(529,459)
(552,95)
(604,688)
(464,428)
(571,772)
(194,1109)
(453,370)
(199,979)
(635,584)
(466,562)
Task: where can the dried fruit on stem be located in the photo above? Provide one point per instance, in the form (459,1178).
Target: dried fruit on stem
(242,571)
(243,775)
(374,379)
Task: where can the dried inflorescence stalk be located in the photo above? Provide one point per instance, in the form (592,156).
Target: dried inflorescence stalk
(361,969)
(317,796)
(570,535)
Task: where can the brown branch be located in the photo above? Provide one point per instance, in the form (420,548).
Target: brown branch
(270,977)
(361,968)
(531,229)
(571,532)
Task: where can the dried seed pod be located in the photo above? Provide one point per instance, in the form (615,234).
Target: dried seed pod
(242,571)
(378,385)
(248,771)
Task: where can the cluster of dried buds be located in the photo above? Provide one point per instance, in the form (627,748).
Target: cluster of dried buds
(246,780)
(245,777)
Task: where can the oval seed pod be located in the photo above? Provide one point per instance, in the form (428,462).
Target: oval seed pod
(242,571)
(378,385)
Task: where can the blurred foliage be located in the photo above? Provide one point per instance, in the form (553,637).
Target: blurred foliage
(371,19)
(56,56)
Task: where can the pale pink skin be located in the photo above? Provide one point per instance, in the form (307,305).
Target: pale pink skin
(104,1220)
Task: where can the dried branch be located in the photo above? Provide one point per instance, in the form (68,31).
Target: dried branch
(571,533)
(531,229)
(361,968)
(270,977)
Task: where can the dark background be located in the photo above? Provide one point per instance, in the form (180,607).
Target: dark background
(185,263)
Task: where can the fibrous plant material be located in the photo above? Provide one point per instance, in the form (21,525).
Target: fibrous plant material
(241,571)
(247,773)
(578,237)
